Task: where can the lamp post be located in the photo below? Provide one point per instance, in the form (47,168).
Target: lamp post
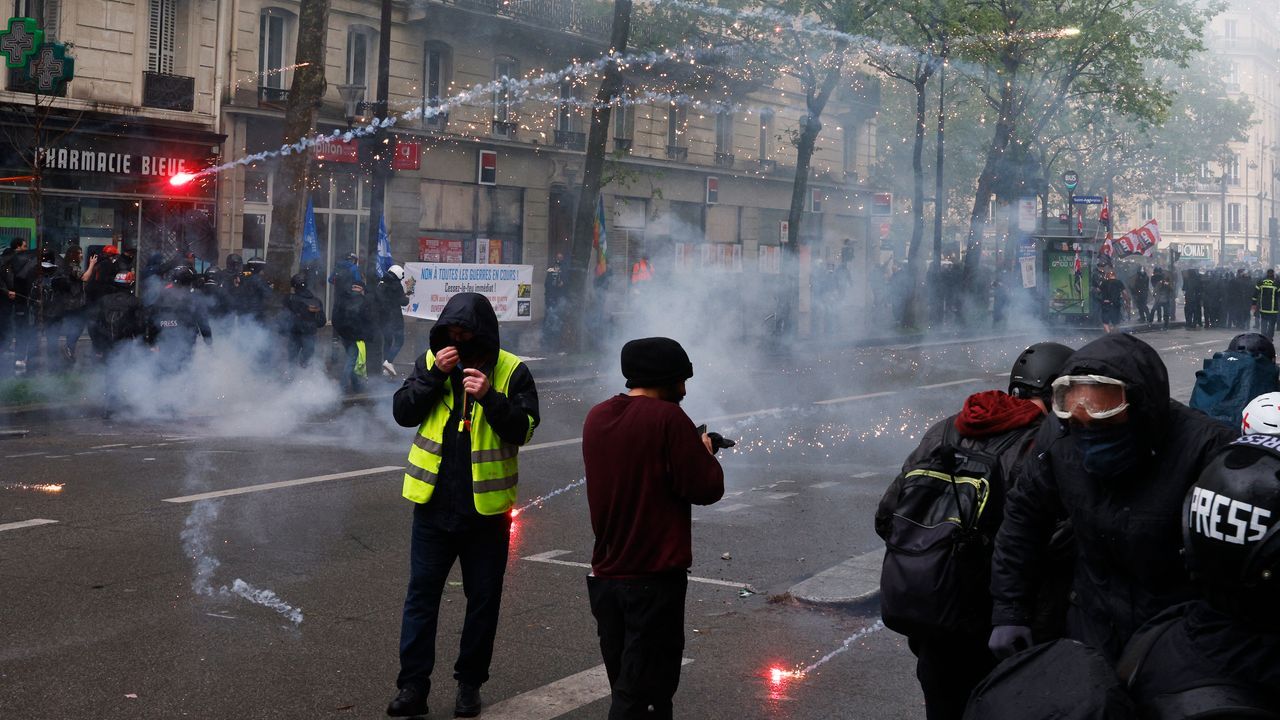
(352,98)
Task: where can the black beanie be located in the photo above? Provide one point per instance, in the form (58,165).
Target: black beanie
(655,362)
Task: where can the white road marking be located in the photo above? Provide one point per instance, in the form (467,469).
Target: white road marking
(867,474)
(851,398)
(22,455)
(87,452)
(966,381)
(731,508)
(735,416)
(1208,342)
(56,457)
(284,484)
(824,485)
(552,444)
(558,698)
(550,557)
(775,496)
(104,447)
(26,524)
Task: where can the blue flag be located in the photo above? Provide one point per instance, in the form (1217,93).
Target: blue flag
(310,238)
(384,248)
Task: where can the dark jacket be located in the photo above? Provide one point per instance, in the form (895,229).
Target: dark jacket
(452,505)
(304,312)
(353,314)
(116,317)
(176,318)
(1128,564)
(389,296)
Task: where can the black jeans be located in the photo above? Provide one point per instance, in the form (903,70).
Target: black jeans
(1268,324)
(641,627)
(949,666)
(482,550)
(301,349)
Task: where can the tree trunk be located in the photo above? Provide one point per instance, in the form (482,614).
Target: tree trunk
(584,216)
(288,197)
(911,315)
(980,215)
(810,126)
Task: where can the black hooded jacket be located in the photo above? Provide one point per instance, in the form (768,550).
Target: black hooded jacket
(1128,566)
(452,505)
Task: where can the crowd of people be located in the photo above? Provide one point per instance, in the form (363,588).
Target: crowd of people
(1086,546)
(169,307)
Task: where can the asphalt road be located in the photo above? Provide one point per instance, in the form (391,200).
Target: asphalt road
(140,602)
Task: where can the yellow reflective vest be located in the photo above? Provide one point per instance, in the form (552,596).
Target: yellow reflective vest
(494,467)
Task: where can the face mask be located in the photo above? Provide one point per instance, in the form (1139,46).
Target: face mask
(1109,451)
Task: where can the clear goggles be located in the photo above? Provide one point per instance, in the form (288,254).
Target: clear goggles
(1099,396)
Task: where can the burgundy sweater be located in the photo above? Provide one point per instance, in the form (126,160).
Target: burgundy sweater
(646,466)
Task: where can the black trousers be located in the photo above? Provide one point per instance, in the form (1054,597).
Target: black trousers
(948,667)
(641,627)
(1268,324)
(482,550)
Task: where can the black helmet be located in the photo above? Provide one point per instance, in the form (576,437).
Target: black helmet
(1036,369)
(1255,343)
(1231,529)
(255,265)
(235,262)
(182,275)
(212,276)
(298,281)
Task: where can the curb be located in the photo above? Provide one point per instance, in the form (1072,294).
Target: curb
(853,581)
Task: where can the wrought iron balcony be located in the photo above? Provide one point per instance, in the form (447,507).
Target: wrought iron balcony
(168,92)
(768,166)
(571,140)
(20,81)
(676,152)
(272,97)
(504,128)
(724,160)
(622,145)
(581,17)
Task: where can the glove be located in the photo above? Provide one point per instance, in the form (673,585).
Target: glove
(718,442)
(1008,640)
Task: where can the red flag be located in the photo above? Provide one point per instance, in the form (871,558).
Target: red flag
(1105,216)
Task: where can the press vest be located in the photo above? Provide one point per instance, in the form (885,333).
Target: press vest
(494,468)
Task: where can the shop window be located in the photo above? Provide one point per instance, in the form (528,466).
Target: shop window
(257,185)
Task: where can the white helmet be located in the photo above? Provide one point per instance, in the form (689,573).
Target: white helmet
(396,272)
(1262,415)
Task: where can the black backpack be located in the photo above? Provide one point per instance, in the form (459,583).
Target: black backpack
(937,561)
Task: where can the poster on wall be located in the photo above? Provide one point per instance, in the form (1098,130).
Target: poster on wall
(1069,283)
(770,259)
(439,250)
(508,287)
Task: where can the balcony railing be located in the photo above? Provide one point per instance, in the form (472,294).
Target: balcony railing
(20,81)
(581,17)
(1204,227)
(768,166)
(676,152)
(272,96)
(1179,226)
(622,145)
(724,159)
(168,92)
(504,128)
(571,140)
(436,122)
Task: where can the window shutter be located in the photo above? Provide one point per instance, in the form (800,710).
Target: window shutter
(160,36)
(52,11)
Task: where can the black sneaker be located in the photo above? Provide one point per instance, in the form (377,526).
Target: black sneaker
(409,702)
(467,704)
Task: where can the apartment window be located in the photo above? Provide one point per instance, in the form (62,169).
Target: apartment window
(1204,221)
(1233,76)
(272,25)
(567,116)
(1148,210)
(359,45)
(1233,170)
(1175,217)
(161,32)
(503,97)
(1205,172)
(675,126)
(437,72)
(1232,29)
(1233,217)
(849,140)
(31,8)
(766,134)
(624,127)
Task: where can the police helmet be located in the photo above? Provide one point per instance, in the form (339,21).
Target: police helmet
(1231,529)
(396,272)
(182,275)
(234,262)
(1255,343)
(299,281)
(47,255)
(255,265)
(1036,369)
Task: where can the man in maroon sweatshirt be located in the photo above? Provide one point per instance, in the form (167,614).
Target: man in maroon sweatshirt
(646,466)
(950,662)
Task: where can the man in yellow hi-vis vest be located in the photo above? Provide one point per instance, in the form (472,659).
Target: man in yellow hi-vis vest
(474,405)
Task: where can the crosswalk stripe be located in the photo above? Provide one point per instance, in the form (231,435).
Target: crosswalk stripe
(283,484)
(26,524)
(558,698)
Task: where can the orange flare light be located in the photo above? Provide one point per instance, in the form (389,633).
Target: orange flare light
(181,179)
(777,675)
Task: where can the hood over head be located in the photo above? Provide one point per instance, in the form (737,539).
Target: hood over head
(470,311)
(1126,358)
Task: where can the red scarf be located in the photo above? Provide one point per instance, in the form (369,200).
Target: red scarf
(994,412)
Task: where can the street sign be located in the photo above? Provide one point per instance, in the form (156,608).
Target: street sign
(1071,179)
(1087,199)
(881,204)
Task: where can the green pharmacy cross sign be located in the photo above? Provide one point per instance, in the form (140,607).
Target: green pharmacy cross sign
(51,68)
(20,41)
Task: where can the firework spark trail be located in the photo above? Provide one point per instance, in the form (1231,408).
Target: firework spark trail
(477,92)
(779,675)
(266,73)
(538,501)
(50,488)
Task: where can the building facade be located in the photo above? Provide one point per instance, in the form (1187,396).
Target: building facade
(199,83)
(1226,212)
